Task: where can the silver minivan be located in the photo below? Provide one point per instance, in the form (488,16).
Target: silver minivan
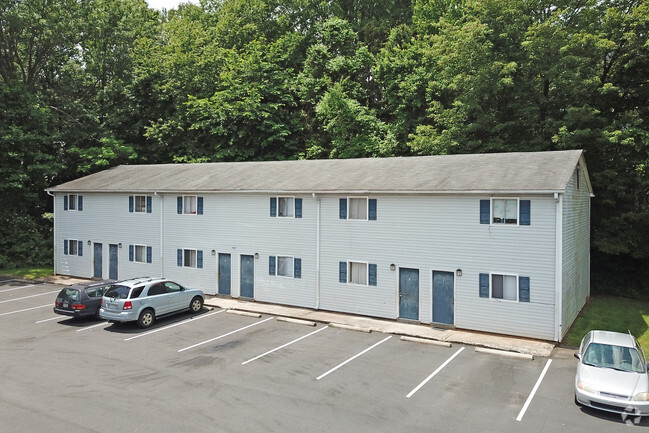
(142,300)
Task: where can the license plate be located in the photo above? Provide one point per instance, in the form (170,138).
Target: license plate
(111,306)
(65,305)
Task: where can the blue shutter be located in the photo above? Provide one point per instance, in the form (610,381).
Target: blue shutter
(271,265)
(371,213)
(525,208)
(65,202)
(298,208)
(273,206)
(180,257)
(80,248)
(149,254)
(179,202)
(485,211)
(297,268)
(199,205)
(131,253)
(342,271)
(372,274)
(80,204)
(199,258)
(524,289)
(149,203)
(484,285)
(65,247)
(131,206)
(343,208)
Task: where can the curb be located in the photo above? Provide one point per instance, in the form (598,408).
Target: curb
(426,341)
(505,353)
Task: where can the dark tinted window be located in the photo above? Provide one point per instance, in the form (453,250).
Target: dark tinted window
(137,292)
(157,289)
(120,292)
(70,294)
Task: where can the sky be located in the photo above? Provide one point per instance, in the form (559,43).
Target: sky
(168,4)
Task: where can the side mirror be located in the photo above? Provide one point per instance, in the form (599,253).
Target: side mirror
(578,356)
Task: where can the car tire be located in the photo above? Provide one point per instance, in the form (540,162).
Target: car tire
(196,305)
(146,319)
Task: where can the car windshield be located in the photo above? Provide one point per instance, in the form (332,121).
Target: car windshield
(120,292)
(616,357)
(69,294)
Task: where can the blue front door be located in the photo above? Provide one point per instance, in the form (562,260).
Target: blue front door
(112,261)
(443,297)
(409,293)
(97,261)
(224,274)
(247,276)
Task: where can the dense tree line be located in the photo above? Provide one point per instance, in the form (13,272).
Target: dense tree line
(89,85)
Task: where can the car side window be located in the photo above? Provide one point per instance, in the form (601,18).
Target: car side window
(157,289)
(172,287)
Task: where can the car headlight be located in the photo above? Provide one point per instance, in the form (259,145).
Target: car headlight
(585,387)
(641,396)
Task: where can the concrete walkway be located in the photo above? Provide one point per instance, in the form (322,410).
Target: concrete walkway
(512,345)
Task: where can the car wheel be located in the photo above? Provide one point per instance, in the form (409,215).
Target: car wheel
(196,304)
(146,319)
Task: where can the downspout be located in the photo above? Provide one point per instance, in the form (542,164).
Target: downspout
(54,228)
(317,253)
(162,269)
(558,277)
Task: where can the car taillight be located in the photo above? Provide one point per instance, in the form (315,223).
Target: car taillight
(78,306)
(127,305)
(57,303)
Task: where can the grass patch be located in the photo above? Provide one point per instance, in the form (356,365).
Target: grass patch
(612,313)
(28,273)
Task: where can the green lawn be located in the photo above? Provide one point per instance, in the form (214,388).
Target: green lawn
(29,273)
(612,314)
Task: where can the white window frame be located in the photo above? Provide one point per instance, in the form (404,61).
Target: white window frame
(135,204)
(349,208)
(73,202)
(503,274)
(193,257)
(292,206)
(518,211)
(291,262)
(73,251)
(193,200)
(350,273)
(135,254)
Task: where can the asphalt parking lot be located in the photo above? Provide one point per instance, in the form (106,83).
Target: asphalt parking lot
(222,372)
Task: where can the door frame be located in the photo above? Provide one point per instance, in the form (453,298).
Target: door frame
(432,296)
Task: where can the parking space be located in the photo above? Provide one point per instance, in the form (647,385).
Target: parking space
(224,372)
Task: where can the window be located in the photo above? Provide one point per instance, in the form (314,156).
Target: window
(140,203)
(190,258)
(512,211)
(285,266)
(505,287)
(358,273)
(504,211)
(73,202)
(190,205)
(287,207)
(358,208)
(140,253)
(72,247)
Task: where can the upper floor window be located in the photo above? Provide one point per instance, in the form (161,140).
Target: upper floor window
(287,207)
(140,203)
(357,208)
(73,202)
(511,211)
(190,205)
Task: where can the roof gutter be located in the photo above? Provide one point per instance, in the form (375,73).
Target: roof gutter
(322,192)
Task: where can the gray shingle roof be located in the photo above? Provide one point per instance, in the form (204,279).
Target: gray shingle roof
(519,172)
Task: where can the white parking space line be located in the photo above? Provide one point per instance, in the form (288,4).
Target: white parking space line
(18,288)
(47,320)
(92,326)
(30,296)
(25,309)
(175,324)
(284,345)
(536,387)
(224,335)
(434,373)
(353,358)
